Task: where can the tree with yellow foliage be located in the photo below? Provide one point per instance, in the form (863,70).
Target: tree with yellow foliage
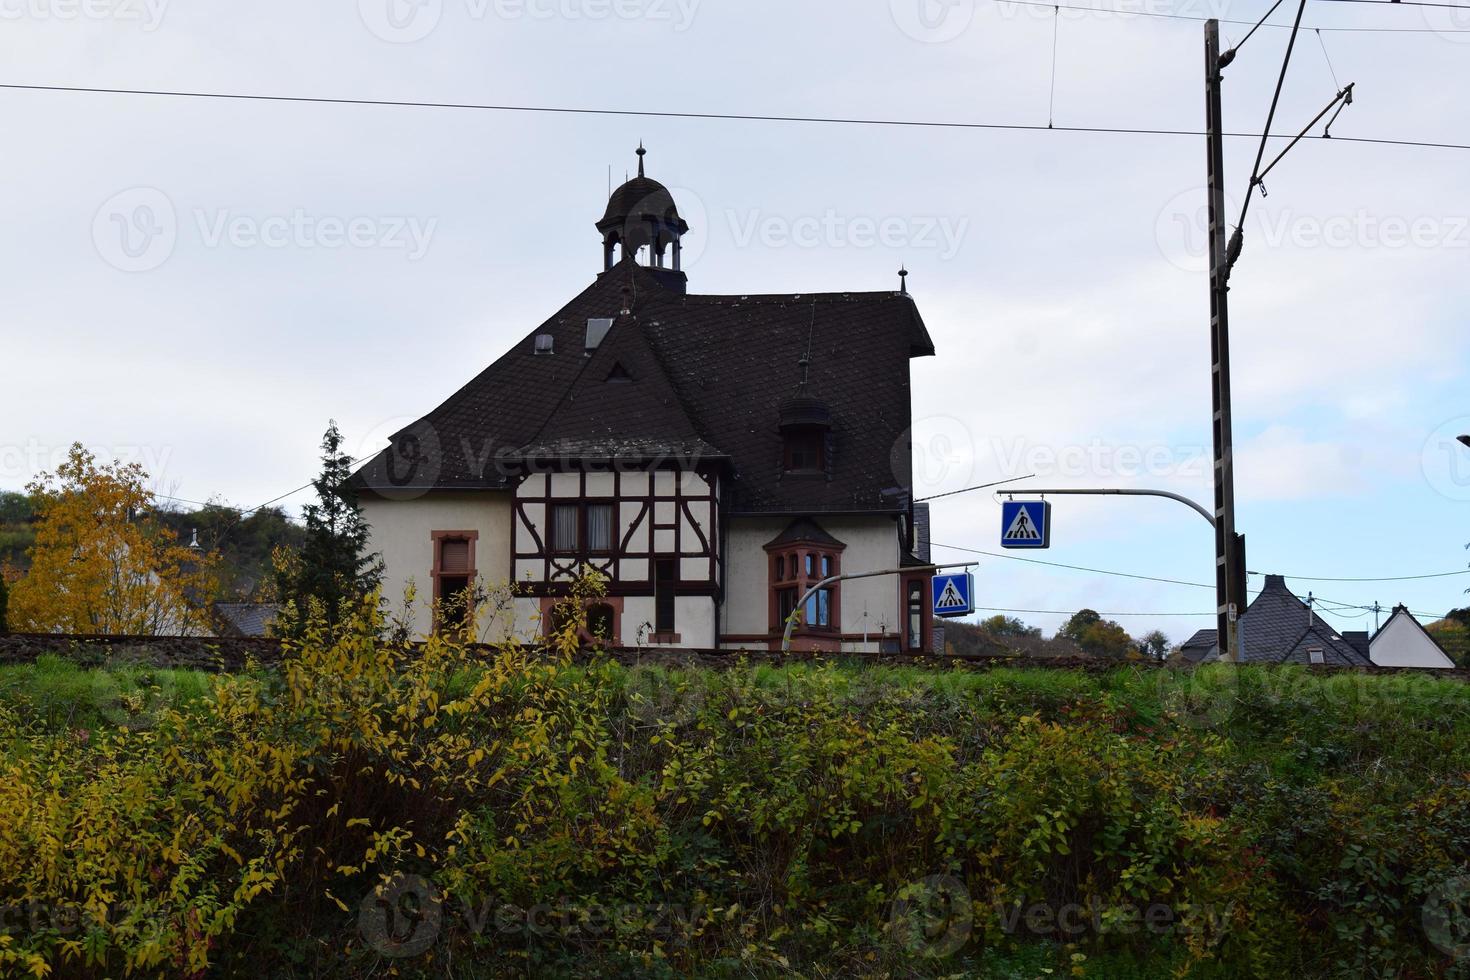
(102,563)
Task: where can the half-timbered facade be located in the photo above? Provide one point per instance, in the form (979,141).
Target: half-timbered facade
(714,457)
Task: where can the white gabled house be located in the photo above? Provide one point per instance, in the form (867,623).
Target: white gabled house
(1403,642)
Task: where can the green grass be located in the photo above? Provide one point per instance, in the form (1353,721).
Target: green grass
(56,694)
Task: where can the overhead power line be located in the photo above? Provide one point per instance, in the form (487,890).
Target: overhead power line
(728,116)
(1075,568)
(1253,24)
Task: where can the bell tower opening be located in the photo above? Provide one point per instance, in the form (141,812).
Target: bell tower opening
(641,215)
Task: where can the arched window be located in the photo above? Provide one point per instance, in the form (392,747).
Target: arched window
(800,559)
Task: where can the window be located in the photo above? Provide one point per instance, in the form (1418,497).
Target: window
(564,521)
(804,452)
(826,565)
(600,527)
(600,619)
(544,343)
(818,610)
(1314,654)
(452,574)
(916,616)
(665,577)
(780,568)
(811,564)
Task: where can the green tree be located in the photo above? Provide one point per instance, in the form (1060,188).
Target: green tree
(1154,644)
(999,626)
(332,571)
(1097,636)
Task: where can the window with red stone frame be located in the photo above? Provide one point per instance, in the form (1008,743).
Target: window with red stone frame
(794,569)
(453,573)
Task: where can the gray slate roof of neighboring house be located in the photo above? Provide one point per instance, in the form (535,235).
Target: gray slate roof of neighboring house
(708,376)
(246,618)
(1358,639)
(1277,627)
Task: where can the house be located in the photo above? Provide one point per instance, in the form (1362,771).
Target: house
(244,618)
(713,456)
(1403,642)
(1277,627)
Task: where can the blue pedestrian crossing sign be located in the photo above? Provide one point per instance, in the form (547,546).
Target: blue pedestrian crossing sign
(954,595)
(1025,524)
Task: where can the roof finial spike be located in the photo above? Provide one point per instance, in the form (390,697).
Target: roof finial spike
(903,281)
(641,151)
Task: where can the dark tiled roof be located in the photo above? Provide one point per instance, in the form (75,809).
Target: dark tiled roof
(1279,628)
(245,618)
(921,533)
(804,531)
(1357,639)
(710,373)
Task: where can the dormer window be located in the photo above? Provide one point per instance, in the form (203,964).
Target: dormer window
(805,424)
(804,452)
(543,344)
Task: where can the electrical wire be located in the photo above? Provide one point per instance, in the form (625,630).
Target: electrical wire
(1073,612)
(728,116)
(1075,568)
(1163,15)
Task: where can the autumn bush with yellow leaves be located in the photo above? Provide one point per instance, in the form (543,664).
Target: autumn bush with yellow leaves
(380,808)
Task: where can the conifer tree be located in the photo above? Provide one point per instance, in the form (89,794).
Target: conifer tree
(333,571)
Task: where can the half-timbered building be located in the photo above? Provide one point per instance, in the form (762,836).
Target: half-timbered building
(714,456)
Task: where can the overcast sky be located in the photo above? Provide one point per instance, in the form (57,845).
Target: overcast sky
(201,284)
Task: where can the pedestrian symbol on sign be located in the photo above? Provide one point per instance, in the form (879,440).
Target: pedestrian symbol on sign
(1025,524)
(954,594)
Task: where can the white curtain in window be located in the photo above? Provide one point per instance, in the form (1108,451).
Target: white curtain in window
(564,528)
(599,527)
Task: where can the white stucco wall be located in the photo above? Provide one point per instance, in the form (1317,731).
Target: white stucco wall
(401,531)
(868,605)
(1401,643)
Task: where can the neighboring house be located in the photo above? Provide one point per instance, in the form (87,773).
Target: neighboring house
(244,618)
(1278,627)
(1403,642)
(712,455)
